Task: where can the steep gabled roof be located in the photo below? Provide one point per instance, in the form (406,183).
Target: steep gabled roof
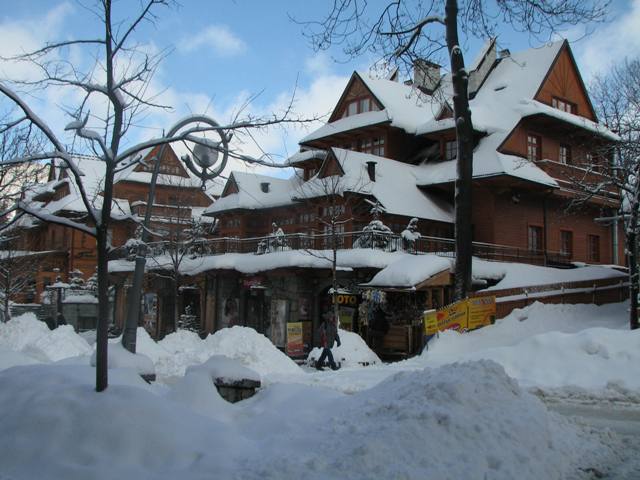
(402,106)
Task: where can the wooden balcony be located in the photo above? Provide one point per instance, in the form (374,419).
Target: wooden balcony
(348,240)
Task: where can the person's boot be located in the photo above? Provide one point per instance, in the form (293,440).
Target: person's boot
(319,366)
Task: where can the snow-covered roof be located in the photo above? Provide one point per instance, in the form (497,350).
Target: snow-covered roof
(403,107)
(410,271)
(305,155)
(92,176)
(250,195)
(349,123)
(394,186)
(533,107)
(513,79)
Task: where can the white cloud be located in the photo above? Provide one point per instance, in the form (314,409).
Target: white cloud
(610,43)
(218,38)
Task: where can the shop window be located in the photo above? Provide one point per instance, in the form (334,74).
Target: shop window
(563,105)
(565,154)
(593,244)
(535,239)
(534,147)
(450,150)
(566,243)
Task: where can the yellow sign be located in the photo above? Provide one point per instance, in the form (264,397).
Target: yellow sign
(295,343)
(351,300)
(482,311)
(465,315)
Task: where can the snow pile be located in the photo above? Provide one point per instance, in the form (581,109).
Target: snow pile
(352,352)
(120,357)
(10,358)
(56,426)
(252,349)
(197,389)
(179,350)
(551,346)
(460,421)
(28,335)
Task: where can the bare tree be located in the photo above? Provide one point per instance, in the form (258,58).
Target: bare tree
(612,170)
(117,85)
(17,272)
(181,236)
(402,32)
(334,197)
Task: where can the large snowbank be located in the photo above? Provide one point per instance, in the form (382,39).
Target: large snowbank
(33,338)
(179,350)
(429,424)
(551,346)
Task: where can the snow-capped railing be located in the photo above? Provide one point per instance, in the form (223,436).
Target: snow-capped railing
(388,242)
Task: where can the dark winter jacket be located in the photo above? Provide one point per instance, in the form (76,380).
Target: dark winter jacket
(328,333)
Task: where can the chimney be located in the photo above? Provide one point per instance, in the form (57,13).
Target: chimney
(426,75)
(504,53)
(264,186)
(482,70)
(371,170)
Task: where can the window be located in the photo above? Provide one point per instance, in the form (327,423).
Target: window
(566,243)
(364,105)
(534,147)
(451,150)
(378,146)
(535,239)
(563,105)
(374,146)
(565,154)
(360,105)
(588,158)
(352,108)
(593,244)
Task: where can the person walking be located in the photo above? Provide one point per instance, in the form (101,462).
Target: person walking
(328,335)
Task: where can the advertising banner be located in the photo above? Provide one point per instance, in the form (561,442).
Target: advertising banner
(482,311)
(295,343)
(465,315)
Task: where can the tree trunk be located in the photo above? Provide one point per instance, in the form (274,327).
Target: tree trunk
(464,138)
(7,313)
(176,307)
(632,256)
(334,275)
(102,334)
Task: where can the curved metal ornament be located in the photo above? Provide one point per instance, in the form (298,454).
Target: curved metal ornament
(223,146)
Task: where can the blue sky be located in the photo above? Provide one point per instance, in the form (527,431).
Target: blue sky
(223,52)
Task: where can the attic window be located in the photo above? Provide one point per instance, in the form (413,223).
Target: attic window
(563,105)
(360,105)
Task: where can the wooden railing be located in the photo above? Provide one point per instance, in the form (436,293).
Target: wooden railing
(387,242)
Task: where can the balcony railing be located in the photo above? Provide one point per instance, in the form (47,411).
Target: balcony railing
(347,240)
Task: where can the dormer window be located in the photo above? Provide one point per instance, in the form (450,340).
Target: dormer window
(360,105)
(563,105)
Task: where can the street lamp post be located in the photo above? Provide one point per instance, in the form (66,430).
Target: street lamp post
(205,156)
